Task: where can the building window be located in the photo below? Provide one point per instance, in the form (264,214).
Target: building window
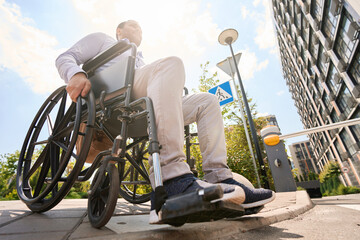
(342,100)
(326,99)
(345,137)
(338,148)
(355,129)
(334,117)
(297,19)
(354,70)
(344,45)
(314,43)
(310,150)
(318,85)
(316,9)
(331,77)
(304,28)
(322,61)
(329,21)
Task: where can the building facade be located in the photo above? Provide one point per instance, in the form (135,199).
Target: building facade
(303,158)
(320,56)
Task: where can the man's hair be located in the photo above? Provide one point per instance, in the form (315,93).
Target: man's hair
(122,25)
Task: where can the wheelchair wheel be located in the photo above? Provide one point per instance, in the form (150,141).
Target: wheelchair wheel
(48,164)
(135,184)
(103,197)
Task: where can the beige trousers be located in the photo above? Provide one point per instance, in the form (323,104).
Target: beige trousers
(163,81)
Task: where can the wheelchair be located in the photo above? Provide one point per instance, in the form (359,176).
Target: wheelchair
(57,144)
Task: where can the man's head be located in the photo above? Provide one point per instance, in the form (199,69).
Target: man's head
(131,30)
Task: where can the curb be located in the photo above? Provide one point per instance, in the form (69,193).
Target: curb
(223,228)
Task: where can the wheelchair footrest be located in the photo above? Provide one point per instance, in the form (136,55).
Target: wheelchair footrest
(200,206)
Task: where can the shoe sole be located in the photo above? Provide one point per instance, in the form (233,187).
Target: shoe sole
(235,197)
(259,203)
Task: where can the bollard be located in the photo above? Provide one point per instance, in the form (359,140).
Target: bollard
(277,158)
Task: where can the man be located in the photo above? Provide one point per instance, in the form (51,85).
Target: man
(163,81)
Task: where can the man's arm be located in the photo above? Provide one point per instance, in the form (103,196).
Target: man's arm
(69,64)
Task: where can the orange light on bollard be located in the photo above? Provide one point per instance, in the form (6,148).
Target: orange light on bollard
(272,140)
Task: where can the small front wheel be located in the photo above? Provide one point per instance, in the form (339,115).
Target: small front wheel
(103,197)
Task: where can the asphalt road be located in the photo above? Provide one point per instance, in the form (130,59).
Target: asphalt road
(336,217)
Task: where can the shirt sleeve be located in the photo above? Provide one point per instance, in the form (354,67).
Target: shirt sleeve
(69,63)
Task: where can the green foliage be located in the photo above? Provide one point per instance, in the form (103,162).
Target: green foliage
(238,154)
(79,190)
(8,166)
(332,169)
(312,176)
(333,187)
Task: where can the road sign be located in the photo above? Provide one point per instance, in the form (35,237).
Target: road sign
(228,65)
(223,93)
(345,169)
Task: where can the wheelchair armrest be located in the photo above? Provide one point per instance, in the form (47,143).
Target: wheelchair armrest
(122,46)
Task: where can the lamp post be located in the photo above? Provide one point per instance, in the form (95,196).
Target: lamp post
(228,67)
(227,37)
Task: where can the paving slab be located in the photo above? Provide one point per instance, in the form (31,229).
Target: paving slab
(68,220)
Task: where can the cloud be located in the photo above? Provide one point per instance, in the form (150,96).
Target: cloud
(279,93)
(244,12)
(27,50)
(265,35)
(249,64)
(263,114)
(181,28)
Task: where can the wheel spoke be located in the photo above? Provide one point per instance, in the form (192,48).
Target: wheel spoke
(61,111)
(41,180)
(65,131)
(37,163)
(66,119)
(50,124)
(65,148)
(40,142)
(54,159)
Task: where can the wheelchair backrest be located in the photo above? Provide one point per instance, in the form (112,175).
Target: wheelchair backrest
(115,78)
(114,74)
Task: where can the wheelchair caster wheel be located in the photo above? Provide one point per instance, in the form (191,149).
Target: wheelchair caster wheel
(103,195)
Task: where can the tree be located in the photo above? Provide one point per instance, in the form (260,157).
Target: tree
(8,166)
(238,154)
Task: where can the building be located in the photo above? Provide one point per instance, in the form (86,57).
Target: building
(271,120)
(303,158)
(320,56)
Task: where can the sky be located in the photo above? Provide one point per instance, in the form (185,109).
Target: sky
(33,33)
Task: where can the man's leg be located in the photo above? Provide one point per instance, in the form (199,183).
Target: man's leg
(204,109)
(163,81)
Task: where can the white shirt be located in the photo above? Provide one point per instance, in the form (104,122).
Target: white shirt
(69,63)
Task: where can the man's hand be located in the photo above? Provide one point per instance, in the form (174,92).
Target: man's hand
(78,84)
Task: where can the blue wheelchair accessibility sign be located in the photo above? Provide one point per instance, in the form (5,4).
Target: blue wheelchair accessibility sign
(223,93)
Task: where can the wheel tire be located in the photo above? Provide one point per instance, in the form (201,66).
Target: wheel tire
(102,200)
(43,180)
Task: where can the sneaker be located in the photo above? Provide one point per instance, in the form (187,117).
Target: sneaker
(254,197)
(189,183)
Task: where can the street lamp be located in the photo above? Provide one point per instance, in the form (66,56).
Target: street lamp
(227,37)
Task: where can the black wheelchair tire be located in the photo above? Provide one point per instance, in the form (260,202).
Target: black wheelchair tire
(102,201)
(40,180)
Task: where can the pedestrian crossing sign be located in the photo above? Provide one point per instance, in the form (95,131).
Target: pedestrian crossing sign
(223,93)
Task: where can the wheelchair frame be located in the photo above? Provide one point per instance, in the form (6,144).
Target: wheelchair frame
(49,167)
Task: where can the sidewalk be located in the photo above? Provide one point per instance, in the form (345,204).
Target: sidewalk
(68,220)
